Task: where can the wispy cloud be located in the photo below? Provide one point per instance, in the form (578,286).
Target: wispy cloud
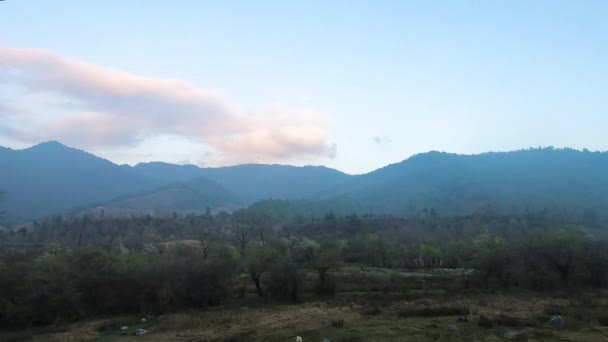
(381,140)
(99,107)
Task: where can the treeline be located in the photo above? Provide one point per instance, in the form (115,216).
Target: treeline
(95,266)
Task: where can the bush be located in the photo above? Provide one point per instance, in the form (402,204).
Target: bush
(553,310)
(371,310)
(603,319)
(432,311)
(485,322)
(337,323)
(511,321)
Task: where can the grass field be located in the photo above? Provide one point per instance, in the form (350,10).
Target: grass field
(368,307)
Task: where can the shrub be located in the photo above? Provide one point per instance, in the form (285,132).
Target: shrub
(431,311)
(337,323)
(603,319)
(371,310)
(484,322)
(510,321)
(553,310)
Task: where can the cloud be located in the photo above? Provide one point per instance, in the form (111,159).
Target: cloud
(381,140)
(95,106)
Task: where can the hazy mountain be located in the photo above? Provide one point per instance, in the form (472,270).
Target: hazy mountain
(454,184)
(51,178)
(253,182)
(188,196)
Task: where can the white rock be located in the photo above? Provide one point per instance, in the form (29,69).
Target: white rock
(140,332)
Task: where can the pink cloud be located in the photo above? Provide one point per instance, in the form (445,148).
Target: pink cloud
(113,108)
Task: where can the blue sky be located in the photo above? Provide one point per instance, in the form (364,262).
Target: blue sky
(353,85)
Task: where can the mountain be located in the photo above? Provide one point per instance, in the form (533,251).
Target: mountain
(531,179)
(187,196)
(254,182)
(51,178)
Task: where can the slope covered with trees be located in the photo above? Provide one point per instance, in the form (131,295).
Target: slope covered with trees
(193,196)
(51,179)
(535,179)
(254,182)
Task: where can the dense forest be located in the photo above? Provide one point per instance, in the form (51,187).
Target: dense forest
(64,269)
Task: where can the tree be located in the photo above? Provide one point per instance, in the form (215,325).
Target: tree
(205,242)
(456,254)
(327,257)
(560,249)
(430,256)
(241,230)
(257,262)
(492,258)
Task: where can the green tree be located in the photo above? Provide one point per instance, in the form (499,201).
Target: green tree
(430,255)
(328,256)
(560,250)
(457,254)
(492,257)
(257,261)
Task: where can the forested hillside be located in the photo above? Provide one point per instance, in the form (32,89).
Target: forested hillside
(254,182)
(50,179)
(194,196)
(518,181)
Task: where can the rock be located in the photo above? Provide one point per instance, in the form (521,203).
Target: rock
(140,332)
(325,339)
(160,317)
(144,320)
(484,322)
(150,318)
(517,335)
(556,322)
(124,328)
(298,339)
(452,330)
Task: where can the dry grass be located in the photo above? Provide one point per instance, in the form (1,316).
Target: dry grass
(254,323)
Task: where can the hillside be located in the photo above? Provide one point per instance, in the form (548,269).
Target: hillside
(51,178)
(188,196)
(253,182)
(507,181)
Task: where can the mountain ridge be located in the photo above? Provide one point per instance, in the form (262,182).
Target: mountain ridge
(51,178)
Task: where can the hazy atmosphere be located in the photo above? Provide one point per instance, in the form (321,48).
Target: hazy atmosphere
(303,171)
(231,82)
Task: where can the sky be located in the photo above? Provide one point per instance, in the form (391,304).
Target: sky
(353,85)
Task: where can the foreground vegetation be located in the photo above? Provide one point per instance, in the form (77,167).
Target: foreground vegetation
(350,278)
